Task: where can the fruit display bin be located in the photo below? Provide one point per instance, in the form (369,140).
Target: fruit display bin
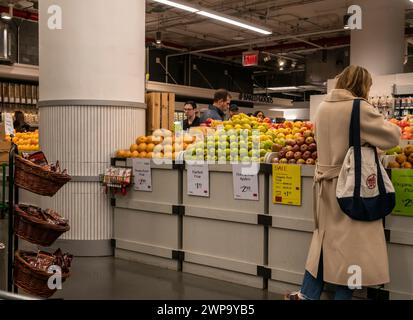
(399,234)
(224,238)
(147,224)
(289,236)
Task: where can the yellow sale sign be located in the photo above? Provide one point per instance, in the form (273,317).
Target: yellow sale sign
(286,184)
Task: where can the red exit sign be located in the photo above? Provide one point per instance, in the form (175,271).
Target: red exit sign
(250,59)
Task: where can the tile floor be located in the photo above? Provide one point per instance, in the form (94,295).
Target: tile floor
(114,279)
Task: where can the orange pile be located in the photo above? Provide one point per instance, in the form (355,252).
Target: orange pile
(159,145)
(28,141)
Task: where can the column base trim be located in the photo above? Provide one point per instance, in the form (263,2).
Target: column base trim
(84,248)
(83,103)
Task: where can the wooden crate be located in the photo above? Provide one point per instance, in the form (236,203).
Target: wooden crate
(4,151)
(160,111)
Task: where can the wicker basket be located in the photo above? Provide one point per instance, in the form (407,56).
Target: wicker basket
(34,230)
(32,280)
(34,178)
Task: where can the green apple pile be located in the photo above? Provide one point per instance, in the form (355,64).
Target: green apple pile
(248,139)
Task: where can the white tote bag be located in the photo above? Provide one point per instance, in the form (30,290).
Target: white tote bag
(364,190)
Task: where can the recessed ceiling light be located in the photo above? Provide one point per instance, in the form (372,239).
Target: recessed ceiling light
(238,38)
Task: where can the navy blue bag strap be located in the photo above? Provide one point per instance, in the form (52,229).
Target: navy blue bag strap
(355,142)
(380,181)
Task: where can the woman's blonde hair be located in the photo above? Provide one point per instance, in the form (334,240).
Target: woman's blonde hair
(355,79)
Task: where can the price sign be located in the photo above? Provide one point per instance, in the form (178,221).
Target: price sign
(245,185)
(286,184)
(198,180)
(142,175)
(403,184)
(8,123)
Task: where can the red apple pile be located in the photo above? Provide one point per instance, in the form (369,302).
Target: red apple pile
(301,150)
(406,125)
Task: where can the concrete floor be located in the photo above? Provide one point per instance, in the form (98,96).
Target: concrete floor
(113,279)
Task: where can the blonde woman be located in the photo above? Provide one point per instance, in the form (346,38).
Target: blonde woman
(340,245)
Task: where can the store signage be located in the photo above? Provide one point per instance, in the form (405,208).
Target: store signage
(245,185)
(286,184)
(8,124)
(403,184)
(256,98)
(250,58)
(142,174)
(198,180)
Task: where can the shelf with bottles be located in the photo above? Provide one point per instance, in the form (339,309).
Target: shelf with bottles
(31,113)
(403,106)
(385,105)
(18,93)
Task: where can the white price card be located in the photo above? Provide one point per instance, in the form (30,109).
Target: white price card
(198,180)
(142,174)
(8,123)
(245,183)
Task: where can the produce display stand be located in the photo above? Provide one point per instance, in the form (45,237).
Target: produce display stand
(399,236)
(225,238)
(147,225)
(3,229)
(254,243)
(290,236)
(13,242)
(19,272)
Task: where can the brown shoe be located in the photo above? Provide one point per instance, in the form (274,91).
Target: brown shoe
(293,296)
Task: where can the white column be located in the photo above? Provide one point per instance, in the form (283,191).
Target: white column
(380,45)
(92,85)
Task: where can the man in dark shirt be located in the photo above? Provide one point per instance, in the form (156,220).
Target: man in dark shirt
(222,101)
(190,112)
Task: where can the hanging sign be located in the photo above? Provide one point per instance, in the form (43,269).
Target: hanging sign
(403,184)
(286,184)
(198,180)
(8,124)
(250,58)
(245,185)
(142,174)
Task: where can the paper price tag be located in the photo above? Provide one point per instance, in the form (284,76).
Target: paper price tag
(198,180)
(403,184)
(286,184)
(245,185)
(142,175)
(8,123)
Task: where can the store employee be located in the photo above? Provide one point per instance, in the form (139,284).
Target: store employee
(192,120)
(222,101)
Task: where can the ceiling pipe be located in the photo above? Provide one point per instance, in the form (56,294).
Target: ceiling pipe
(266,40)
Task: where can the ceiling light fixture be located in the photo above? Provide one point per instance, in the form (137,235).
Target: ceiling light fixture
(177,5)
(216,16)
(7,16)
(234,22)
(283,88)
(346,19)
(281,63)
(158,38)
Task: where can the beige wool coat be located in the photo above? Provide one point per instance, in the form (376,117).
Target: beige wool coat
(345,242)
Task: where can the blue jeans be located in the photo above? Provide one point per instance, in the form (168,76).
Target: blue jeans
(312,287)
